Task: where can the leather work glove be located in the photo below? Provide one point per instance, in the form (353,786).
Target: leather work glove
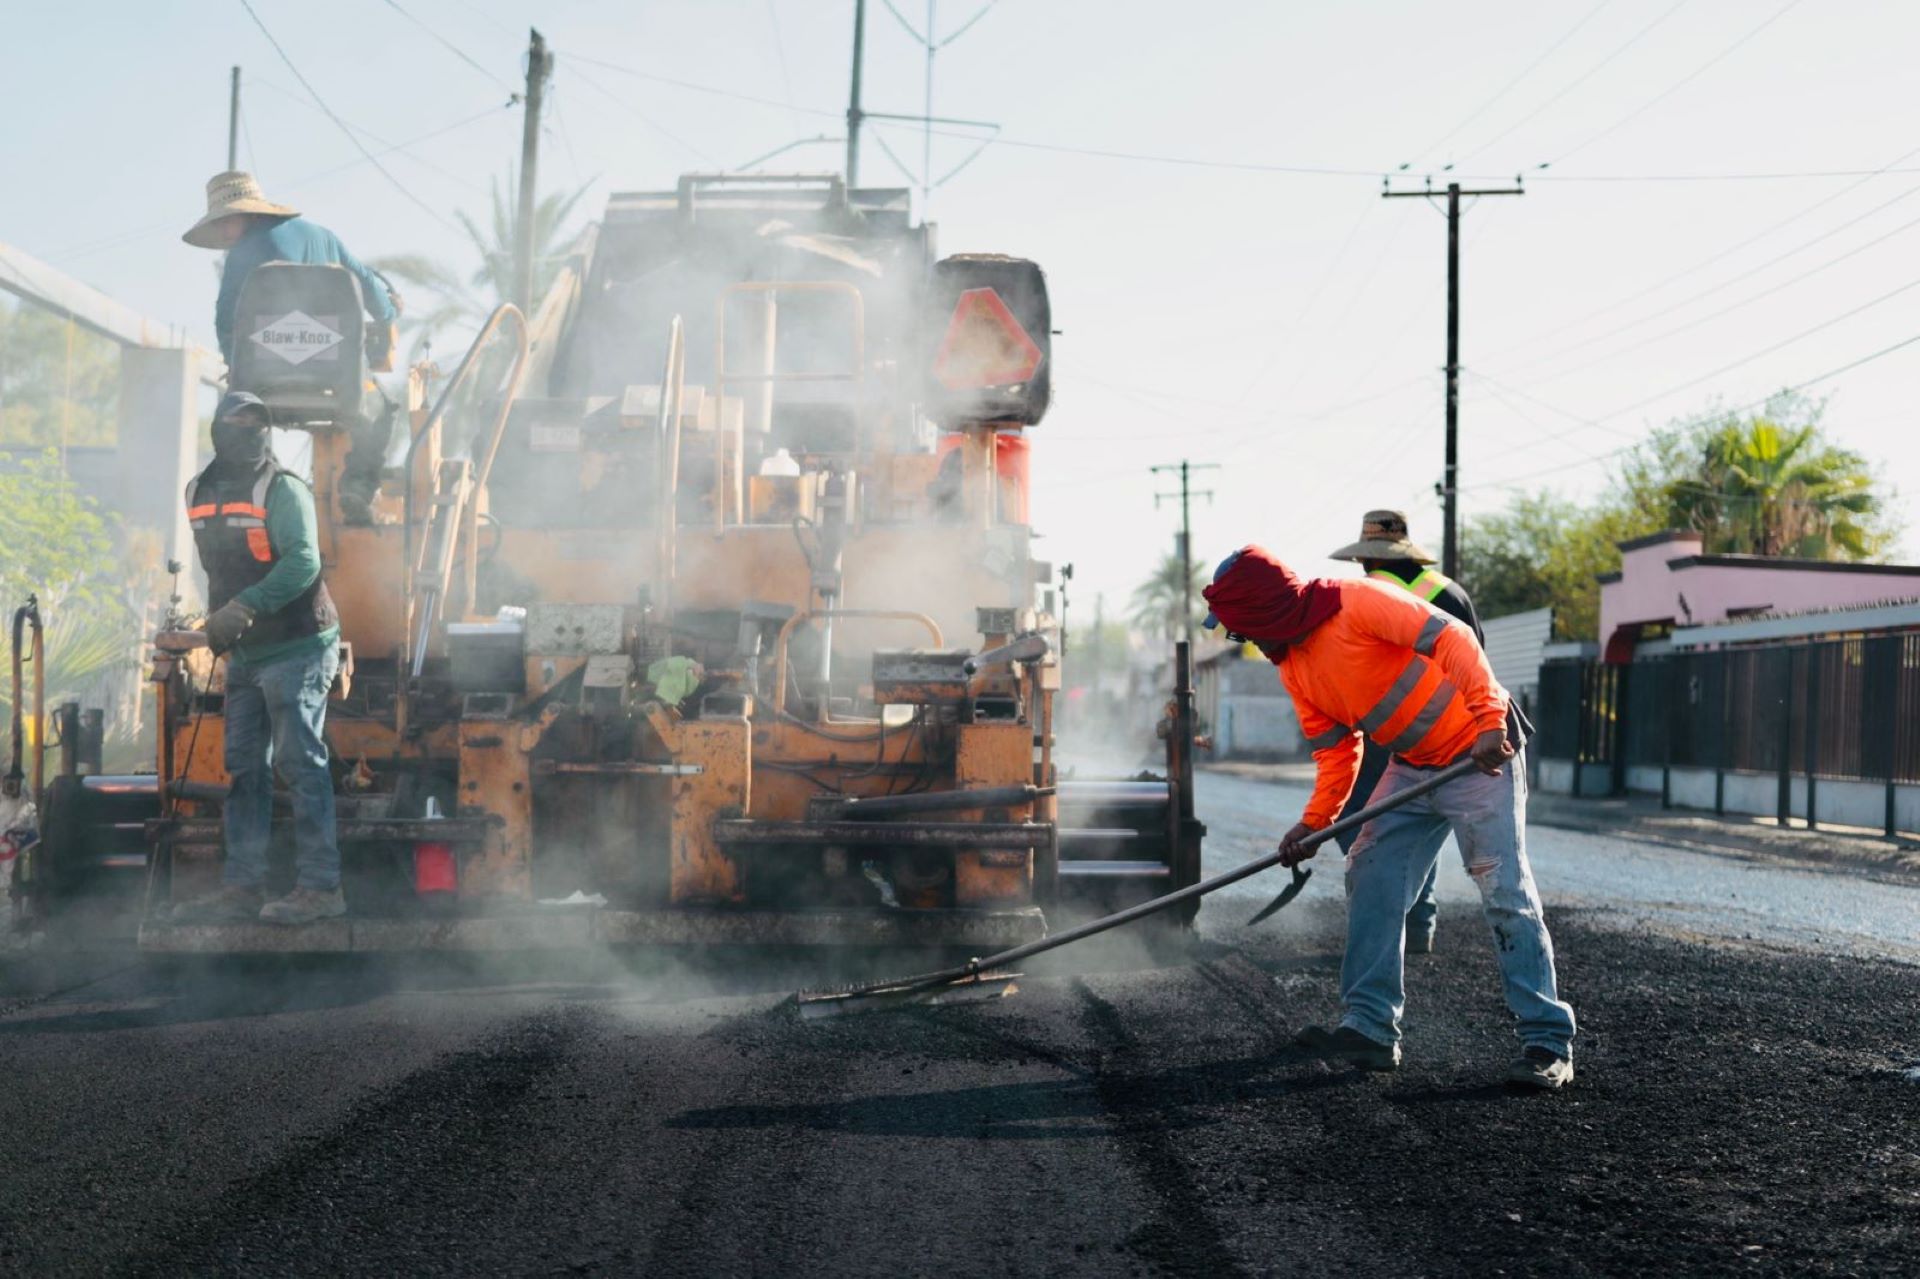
(1490,750)
(1291,853)
(226,624)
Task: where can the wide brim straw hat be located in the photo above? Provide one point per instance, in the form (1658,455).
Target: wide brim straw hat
(232,195)
(1383,536)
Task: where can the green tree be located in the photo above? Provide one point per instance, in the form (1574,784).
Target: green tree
(1157,603)
(1773,485)
(1770,484)
(55,544)
(59,383)
(464,300)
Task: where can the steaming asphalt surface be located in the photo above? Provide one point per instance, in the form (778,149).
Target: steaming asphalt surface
(1742,1103)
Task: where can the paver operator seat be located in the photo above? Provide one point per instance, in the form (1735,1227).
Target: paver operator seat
(300,344)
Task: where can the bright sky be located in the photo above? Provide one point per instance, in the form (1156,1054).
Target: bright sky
(1288,326)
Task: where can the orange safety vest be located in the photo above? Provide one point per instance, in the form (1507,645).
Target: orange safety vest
(1400,671)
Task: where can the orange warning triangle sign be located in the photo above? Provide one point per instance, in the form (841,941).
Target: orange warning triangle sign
(985,345)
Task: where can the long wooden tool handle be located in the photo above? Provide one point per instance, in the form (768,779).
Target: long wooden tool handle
(973,968)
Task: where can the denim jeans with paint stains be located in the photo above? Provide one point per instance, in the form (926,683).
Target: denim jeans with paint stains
(276,715)
(1398,851)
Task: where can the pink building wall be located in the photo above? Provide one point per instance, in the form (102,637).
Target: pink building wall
(1655,572)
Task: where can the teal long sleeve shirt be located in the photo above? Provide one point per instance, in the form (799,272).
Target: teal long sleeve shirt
(291,240)
(294,533)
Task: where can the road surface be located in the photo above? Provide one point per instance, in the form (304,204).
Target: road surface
(1743,1103)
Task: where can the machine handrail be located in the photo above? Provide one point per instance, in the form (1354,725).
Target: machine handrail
(672,400)
(834,615)
(468,363)
(30,613)
(769,378)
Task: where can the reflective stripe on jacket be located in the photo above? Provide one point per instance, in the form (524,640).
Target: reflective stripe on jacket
(1400,671)
(1426,586)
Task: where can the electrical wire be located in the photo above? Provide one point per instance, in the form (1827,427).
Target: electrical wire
(347,129)
(1729,309)
(1815,380)
(88,247)
(1509,86)
(376,139)
(636,112)
(1728,283)
(451,47)
(1670,278)
(1676,86)
(1568,88)
(780,51)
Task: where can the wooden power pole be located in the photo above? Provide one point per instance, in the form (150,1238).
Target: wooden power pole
(539,67)
(1450,483)
(1186,496)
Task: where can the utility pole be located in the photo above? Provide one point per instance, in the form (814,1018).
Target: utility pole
(233,123)
(539,67)
(1186,496)
(1450,484)
(854,114)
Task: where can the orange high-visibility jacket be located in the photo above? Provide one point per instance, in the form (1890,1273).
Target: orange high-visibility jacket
(1397,669)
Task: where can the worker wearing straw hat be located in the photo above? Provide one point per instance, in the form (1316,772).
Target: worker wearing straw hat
(253,230)
(1389,554)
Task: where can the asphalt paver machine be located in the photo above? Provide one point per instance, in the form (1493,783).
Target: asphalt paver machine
(702,607)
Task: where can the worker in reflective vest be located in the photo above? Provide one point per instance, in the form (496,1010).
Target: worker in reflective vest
(1363,657)
(253,524)
(1390,555)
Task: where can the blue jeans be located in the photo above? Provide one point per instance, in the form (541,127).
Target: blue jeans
(1423,915)
(276,717)
(1399,851)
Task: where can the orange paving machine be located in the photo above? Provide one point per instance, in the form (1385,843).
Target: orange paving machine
(701,608)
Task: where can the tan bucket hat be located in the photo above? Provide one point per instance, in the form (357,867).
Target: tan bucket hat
(228,195)
(1383,536)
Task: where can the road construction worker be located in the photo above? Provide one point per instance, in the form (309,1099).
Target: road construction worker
(1388,554)
(253,524)
(253,231)
(1363,656)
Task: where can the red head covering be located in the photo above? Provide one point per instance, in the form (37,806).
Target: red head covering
(1261,598)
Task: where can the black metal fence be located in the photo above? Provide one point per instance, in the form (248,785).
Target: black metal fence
(1841,710)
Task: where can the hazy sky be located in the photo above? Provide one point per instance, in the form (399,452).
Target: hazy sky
(1286,325)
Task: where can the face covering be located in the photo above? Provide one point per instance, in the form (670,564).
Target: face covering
(1261,598)
(239,448)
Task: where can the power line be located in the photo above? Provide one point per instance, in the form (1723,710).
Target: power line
(352,136)
(1729,309)
(780,50)
(87,247)
(1679,84)
(430,165)
(692,87)
(1669,278)
(452,48)
(1509,86)
(636,112)
(1591,72)
(1743,408)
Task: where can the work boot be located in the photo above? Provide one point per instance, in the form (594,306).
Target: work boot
(227,904)
(304,906)
(1541,1068)
(1345,1044)
(1419,943)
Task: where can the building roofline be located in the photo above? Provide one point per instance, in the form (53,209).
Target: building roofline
(1655,539)
(1777,562)
(1872,617)
(1608,579)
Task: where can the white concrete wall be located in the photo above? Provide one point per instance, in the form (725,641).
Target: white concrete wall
(1840,803)
(1262,726)
(1643,779)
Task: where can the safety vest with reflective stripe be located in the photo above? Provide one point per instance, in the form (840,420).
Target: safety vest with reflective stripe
(1426,585)
(229,521)
(1387,665)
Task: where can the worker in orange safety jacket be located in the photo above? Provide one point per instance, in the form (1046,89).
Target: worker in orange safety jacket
(1365,657)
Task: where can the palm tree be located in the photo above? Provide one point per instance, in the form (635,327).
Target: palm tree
(1762,488)
(1158,602)
(466,301)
